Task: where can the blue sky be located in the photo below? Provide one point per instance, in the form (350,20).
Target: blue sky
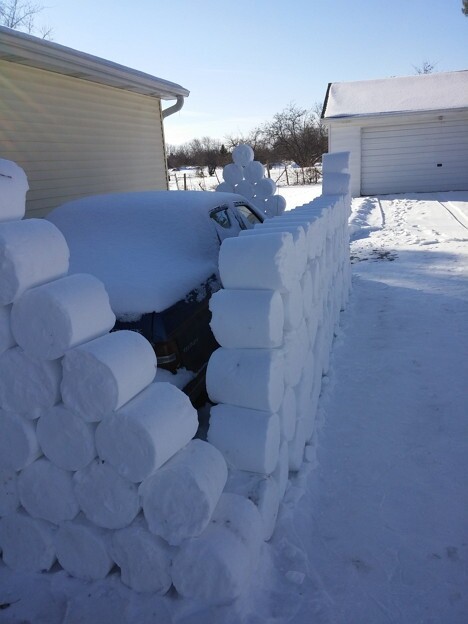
(244,61)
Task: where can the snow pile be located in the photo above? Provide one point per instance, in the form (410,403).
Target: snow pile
(246,177)
(285,284)
(97,462)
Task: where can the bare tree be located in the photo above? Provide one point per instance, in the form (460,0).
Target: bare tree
(21,15)
(465,7)
(426,67)
(298,135)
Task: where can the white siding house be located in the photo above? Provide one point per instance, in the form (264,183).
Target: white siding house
(78,124)
(404,134)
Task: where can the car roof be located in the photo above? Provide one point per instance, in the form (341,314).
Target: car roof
(149,248)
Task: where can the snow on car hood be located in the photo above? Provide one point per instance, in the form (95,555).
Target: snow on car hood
(149,248)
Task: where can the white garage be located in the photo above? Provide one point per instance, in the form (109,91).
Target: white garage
(404,134)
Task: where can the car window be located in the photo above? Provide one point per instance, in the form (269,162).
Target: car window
(221,216)
(248,214)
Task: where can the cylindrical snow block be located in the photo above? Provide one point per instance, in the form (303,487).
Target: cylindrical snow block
(9,499)
(248,439)
(307,293)
(254,171)
(293,307)
(65,438)
(335,162)
(6,337)
(143,558)
(251,378)
(281,472)
(147,431)
(225,187)
(13,188)
(265,188)
(233,174)
(48,320)
(102,375)
(28,384)
(297,232)
(336,184)
(275,205)
(287,414)
(229,549)
(247,318)
(32,252)
(264,261)
(107,499)
(242,155)
(18,441)
(262,491)
(244,188)
(297,445)
(27,543)
(83,549)
(46,492)
(191,480)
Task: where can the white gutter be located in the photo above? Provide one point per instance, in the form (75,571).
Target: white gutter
(31,51)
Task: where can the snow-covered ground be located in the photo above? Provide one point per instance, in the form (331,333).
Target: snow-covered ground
(373,528)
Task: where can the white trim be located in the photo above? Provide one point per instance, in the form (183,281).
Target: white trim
(31,51)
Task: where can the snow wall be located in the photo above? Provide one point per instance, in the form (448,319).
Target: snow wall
(98,465)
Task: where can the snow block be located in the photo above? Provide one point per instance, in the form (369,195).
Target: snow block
(143,558)
(336,184)
(13,188)
(28,384)
(27,543)
(6,337)
(141,436)
(293,307)
(48,320)
(32,252)
(265,261)
(248,439)
(281,472)
(335,162)
(107,499)
(18,441)
(46,492)
(102,375)
(65,438)
(262,491)
(9,499)
(247,318)
(287,414)
(252,378)
(83,549)
(229,549)
(179,498)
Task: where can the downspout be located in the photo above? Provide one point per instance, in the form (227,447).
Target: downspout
(174,108)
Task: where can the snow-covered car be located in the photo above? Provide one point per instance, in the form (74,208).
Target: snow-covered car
(157,254)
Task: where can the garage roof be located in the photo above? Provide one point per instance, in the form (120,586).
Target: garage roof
(409,94)
(27,50)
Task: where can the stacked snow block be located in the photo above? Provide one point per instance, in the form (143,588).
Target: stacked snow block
(98,465)
(285,283)
(246,177)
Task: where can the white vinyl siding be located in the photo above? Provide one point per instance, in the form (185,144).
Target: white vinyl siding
(347,138)
(75,138)
(417,157)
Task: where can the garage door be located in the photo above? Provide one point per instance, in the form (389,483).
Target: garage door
(418,157)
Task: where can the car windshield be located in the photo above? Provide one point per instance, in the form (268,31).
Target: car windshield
(248,214)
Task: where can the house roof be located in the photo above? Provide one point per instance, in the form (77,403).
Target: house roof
(27,50)
(387,96)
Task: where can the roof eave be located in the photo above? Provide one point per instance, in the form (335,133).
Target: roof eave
(27,50)
(435,111)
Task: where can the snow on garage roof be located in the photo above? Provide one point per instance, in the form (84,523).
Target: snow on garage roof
(425,92)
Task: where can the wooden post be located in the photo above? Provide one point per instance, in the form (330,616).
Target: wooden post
(185,181)
(287,178)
